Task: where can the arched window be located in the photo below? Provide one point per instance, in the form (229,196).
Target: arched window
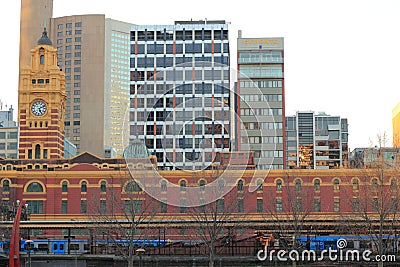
(182,184)
(374,184)
(6,186)
(221,185)
(355,184)
(136,187)
(37,152)
(259,185)
(133,187)
(64,187)
(103,187)
(336,184)
(240,186)
(83,187)
(202,184)
(317,184)
(393,184)
(278,185)
(297,185)
(163,186)
(41,59)
(34,187)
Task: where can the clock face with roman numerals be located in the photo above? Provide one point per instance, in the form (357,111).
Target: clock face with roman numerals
(39,108)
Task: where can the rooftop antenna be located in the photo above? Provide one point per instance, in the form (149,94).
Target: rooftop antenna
(44,17)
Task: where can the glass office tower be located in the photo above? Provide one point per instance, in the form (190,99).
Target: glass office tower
(180,97)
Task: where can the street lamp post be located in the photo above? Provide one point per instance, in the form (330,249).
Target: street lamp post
(26,212)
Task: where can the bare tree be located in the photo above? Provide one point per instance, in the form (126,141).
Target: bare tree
(292,202)
(216,222)
(4,216)
(7,207)
(124,218)
(375,202)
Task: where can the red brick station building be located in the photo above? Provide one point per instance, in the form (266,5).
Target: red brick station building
(69,193)
(84,192)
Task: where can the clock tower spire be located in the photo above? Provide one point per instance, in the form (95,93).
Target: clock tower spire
(41,104)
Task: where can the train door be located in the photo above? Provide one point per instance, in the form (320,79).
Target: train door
(59,247)
(6,246)
(357,244)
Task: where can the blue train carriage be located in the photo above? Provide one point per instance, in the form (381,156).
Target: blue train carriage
(76,246)
(319,243)
(56,246)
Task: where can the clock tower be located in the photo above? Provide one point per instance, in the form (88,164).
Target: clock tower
(41,104)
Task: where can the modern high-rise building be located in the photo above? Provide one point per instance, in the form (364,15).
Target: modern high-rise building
(261,98)
(6,116)
(93,51)
(9,142)
(316,141)
(180,96)
(8,135)
(69,149)
(396,125)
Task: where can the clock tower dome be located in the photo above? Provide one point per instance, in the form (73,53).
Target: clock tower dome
(41,104)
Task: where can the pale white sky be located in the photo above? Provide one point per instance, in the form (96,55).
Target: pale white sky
(341,56)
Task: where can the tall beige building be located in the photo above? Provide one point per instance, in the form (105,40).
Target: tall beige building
(94,54)
(80,44)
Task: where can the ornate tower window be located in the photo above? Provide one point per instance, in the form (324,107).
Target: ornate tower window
(37,152)
(41,51)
